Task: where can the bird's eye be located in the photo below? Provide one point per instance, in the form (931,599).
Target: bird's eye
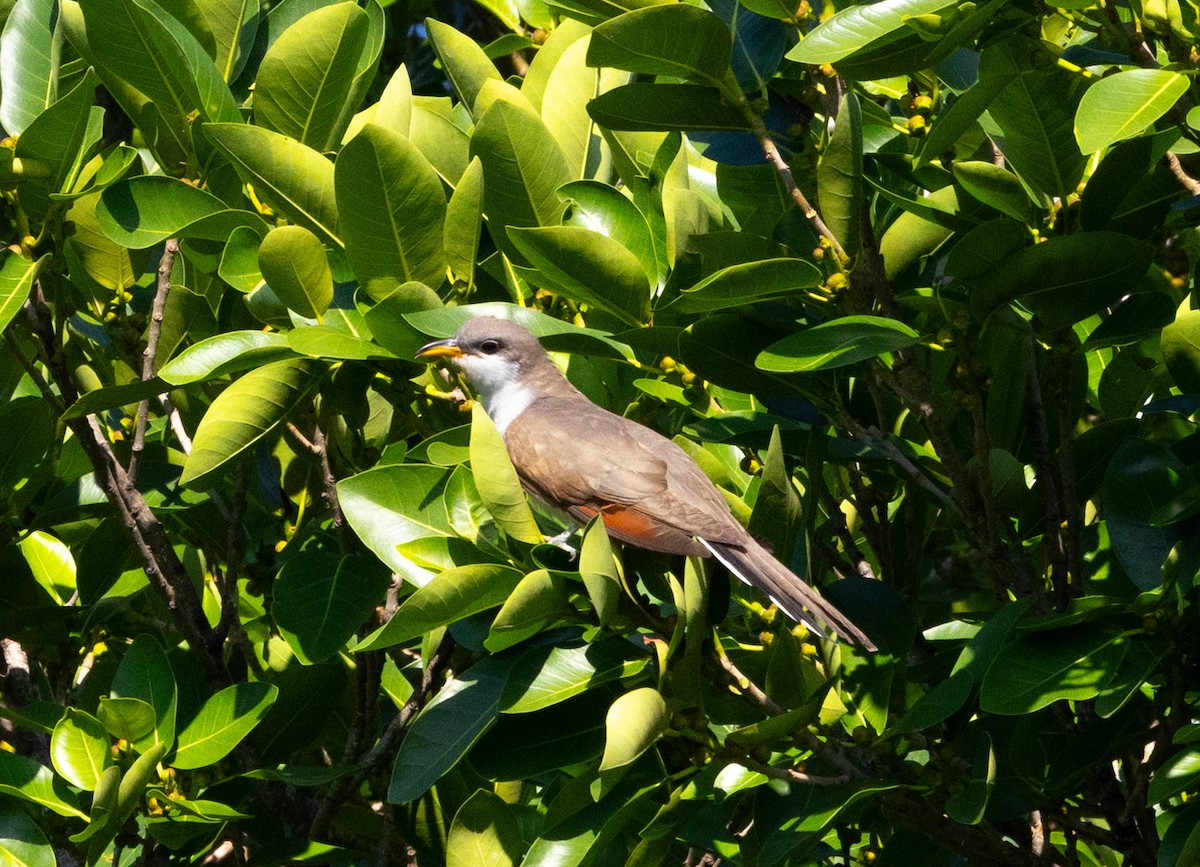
(489,347)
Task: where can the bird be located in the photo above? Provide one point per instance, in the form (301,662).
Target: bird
(583,460)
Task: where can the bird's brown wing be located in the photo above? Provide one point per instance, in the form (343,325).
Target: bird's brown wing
(648,490)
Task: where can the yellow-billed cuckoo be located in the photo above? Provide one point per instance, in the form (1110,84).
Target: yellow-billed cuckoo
(584,460)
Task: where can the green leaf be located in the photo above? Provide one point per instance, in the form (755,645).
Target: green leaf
(967,806)
(857,27)
(634,722)
(840,188)
(29,59)
(1073,276)
(747,283)
(80,749)
(1180,348)
(26,431)
(1041,668)
(393,211)
(156,54)
(16,279)
(464,219)
(130,718)
(51,563)
(485,833)
(676,39)
(389,506)
(497,481)
(667,108)
(447,728)
(222,722)
(146,674)
(231,26)
(467,67)
(586,266)
(838,343)
(972,665)
(321,600)
(293,262)
(449,597)
(59,140)
(1177,774)
(28,780)
(545,676)
(323,341)
(523,167)
(230,352)
(1147,483)
(308,76)
(246,412)
(538,600)
(1122,106)
(521,746)
(292,178)
(995,186)
(22,843)
(395,106)
(1036,112)
(143,211)
(599,570)
(239,261)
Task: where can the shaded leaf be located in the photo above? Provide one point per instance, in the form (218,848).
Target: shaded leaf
(838,343)
(321,600)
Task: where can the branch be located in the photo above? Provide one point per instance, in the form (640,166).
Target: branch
(162,565)
(344,536)
(151,350)
(386,747)
(1189,183)
(748,687)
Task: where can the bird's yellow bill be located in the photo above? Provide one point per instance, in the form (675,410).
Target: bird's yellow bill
(440,349)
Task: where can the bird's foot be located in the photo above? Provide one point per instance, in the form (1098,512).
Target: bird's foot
(560,541)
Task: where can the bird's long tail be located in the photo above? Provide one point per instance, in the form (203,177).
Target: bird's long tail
(754,565)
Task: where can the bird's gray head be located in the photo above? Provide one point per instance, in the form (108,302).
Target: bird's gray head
(497,357)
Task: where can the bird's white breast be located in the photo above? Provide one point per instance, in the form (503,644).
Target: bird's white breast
(507,402)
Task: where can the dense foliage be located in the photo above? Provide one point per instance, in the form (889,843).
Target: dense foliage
(912,281)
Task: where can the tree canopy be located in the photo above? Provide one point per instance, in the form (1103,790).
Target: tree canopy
(912,281)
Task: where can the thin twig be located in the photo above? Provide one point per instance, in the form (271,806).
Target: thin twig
(162,565)
(790,775)
(748,687)
(1189,183)
(151,351)
(181,434)
(344,536)
(771,152)
(386,746)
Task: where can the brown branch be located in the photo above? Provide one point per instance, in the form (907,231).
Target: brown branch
(771,152)
(151,351)
(1189,183)
(387,744)
(748,687)
(344,536)
(790,775)
(162,565)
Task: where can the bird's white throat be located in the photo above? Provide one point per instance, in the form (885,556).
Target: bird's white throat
(500,388)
